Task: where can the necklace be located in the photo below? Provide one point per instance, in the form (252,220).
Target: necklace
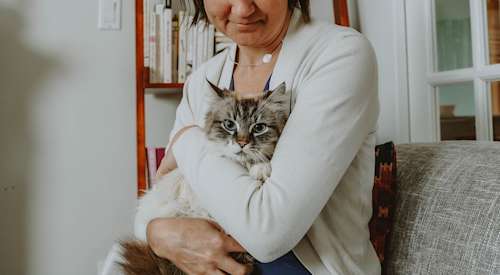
(266,58)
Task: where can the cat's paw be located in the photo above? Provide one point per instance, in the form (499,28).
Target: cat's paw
(260,171)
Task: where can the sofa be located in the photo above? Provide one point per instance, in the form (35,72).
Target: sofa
(446,216)
(436,209)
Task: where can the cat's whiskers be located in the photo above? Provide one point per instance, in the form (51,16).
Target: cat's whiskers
(259,156)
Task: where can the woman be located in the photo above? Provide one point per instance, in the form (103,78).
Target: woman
(311,215)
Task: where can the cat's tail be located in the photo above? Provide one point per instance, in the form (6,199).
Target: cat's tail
(139,259)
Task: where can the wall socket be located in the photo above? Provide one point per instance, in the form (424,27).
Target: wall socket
(110,13)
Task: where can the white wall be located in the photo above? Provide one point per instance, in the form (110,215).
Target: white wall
(67,118)
(380,22)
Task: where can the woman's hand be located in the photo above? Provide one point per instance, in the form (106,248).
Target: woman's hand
(196,246)
(168,163)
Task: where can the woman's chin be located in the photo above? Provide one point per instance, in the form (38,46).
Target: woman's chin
(250,39)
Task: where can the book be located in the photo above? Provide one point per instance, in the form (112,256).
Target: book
(152,45)
(145,7)
(182,49)
(175,49)
(152,32)
(160,42)
(160,153)
(155,44)
(152,165)
(167,46)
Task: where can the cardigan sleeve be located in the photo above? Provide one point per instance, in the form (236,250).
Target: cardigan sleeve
(336,108)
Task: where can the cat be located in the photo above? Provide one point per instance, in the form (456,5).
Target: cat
(244,129)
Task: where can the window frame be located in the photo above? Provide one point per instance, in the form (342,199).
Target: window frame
(481,73)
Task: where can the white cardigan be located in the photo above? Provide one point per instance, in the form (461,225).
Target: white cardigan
(318,199)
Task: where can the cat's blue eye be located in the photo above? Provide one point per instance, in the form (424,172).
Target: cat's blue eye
(229,125)
(259,129)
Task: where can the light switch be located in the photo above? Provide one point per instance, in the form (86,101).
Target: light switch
(109,14)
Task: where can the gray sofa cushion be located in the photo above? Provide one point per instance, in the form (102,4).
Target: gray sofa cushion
(447,216)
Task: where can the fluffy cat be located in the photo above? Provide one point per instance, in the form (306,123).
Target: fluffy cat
(245,130)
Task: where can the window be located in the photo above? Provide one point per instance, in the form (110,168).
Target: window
(454,69)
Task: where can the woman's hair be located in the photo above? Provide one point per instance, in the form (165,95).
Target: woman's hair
(200,13)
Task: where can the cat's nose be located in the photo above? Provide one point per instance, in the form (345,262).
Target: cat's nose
(242,143)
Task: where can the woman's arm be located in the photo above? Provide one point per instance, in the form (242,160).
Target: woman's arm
(168,163)
(336,109)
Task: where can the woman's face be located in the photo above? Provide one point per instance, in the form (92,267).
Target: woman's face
(250,23)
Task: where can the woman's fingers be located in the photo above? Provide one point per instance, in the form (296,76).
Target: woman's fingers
(231,245)
(217,272)
(216,225)
(195,245)
(231,266)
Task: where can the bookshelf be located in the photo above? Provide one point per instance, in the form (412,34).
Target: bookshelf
(143,85)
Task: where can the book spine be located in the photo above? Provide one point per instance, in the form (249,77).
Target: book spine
(152,45)
(160,153)
(167,46)
(160,8)
(175,49)
(181,67)
(152,166)
(145,8)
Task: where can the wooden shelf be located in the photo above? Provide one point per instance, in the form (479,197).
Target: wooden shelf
(163,91)
(143,86)
(165,85)
(147,84)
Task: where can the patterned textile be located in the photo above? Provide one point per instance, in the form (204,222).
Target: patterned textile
(447,215)
(383,197)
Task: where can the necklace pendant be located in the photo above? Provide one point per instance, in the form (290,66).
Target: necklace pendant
(267,58)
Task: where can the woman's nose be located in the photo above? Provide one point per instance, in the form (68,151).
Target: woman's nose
(243,8)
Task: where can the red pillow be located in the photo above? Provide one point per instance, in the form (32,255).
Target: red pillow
(384,196)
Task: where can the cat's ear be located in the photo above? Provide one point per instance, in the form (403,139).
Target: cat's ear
(278,101)
(221,93)
(278,95)
(280,90)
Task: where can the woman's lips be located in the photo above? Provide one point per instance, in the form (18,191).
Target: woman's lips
(246,26)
